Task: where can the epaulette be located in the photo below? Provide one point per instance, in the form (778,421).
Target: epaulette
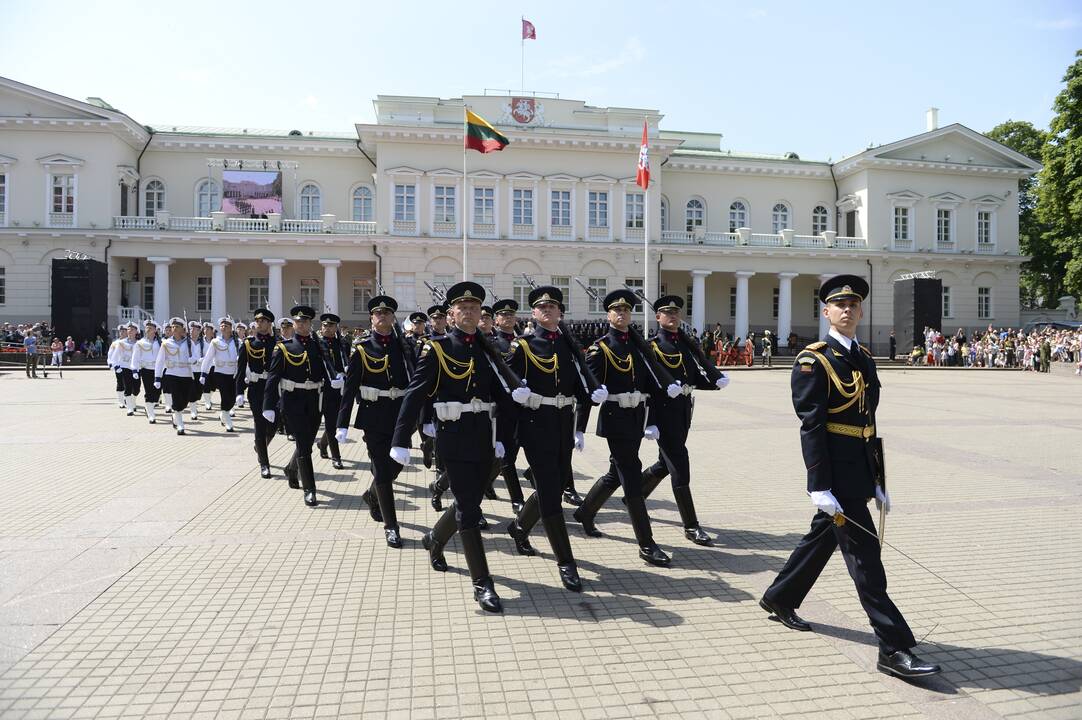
(816,346)
(363,337)
(593,349)
(513,347)
(866,351)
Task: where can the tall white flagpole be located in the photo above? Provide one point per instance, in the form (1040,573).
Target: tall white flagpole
(646,251)
(522,64)
(465,250)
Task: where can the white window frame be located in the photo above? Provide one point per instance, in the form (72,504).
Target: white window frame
(148,294)
(522,206)
(3,286)
(907,200)
(310,292)
(694,214)
(69,192)
(732,302)
(363,291)
(903,213)
(775,303)
(520,291)
(484,205)
(260,283)
(4,203)
(600,286)
(634,210)
(739,217)
(984,298)
(405,289)
(203,293)
(445,204)
(405,202)
(635,283)
(780,217)
(948,305)
(944,215)
(213,195)
(566,209)
(818,228)
(563,284)
(597,208)
(309,204)
(158,194)
(357,195)
(689,299)
(488,282)
(992,227)
(664,219)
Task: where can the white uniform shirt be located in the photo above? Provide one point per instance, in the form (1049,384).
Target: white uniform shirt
(145,354)
(195,352)
(173,359)
(123,353)
(221,354)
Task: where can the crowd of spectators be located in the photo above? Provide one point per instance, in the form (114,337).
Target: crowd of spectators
(42,338)
(1001,348)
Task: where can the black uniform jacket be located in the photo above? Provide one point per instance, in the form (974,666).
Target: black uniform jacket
(502,341)
(682,365)
(468,439)
(530,357)
(254,355)
(835,395)
(377,362)
(618,365)
(335,354)
(299,359)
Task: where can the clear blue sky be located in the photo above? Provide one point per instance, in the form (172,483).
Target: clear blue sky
(822,79)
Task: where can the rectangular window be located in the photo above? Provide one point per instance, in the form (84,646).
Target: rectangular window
(635,284)
(600,286)
(488,282)
(943,219)
(362,293)
(148,294)
(3,195)
(820,220)
(484,206)
(775,304)
(3,286)
(634,210)
(522,207)
(405,287)
(984,227)
(732,302)
(563,283)
(445,204)
(984,303)
(599,209)
(405,203)
(258,293)
(947,302)
(202,295)
(901,224)
(442,281)
(362,205)
(688,301)
(520,292)
(309,295)
(63,193)
(561,208)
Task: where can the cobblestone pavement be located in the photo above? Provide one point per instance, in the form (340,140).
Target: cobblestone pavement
(148,575)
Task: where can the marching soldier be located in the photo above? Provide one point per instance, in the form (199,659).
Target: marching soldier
(547,426)
(209,332)
(437,316)
(416,331)
(240,332)
(835,395)
(623,420)
(144,356)
(285,329)
(379,372)
(331,342)
(196,347)
(252,363)
(296,376)
(122,357)
(173,372)
(505,312)
(117,370)
(219,370)
(673,415)
(465,389)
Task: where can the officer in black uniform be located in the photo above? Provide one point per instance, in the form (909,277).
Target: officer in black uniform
(835,395)
(379,372)
(467,393)
(624,420)
(505,316)
(416,331)
(297,375)
(437,317)
(673,415)
(253,360)
(331,342)
(547,426)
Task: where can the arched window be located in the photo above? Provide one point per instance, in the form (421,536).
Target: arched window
(664,214)
(820,220)
(694,214)
(155,198)
(207,199)
(362,205)
(779,218)
(738,215)
(310,208)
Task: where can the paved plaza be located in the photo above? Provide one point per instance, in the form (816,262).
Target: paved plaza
(148,575)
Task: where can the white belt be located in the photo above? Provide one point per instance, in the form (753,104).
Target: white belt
(451,411)
(686,390)
(250,376)
(291,385)
(628,399)
(558,402)
(226,368)
(172,365)
(372,394)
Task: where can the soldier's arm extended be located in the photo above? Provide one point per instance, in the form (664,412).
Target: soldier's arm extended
(274,374)
(241,378)
(810,396)
(159,364)
(424,380)
(354,371)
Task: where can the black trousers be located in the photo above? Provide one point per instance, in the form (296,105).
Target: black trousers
(332,401)
(302,416)
(862,556)
(625,468)
(547,440)
(468,481)
(131,382)
(119,380)
(226,385)
(264,430)
(672,456)
(150,393)
(195,390)
(179,389)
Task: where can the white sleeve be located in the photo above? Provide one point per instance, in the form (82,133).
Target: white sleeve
(159,363)
(136,354)
(112,350)
(208,357)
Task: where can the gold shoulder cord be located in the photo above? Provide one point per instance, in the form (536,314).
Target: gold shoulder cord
(673,361)
(445,362)
(167,349)
(546,365)
(294,360)
(371,364)
(624,365)
(254,354)
(852,391)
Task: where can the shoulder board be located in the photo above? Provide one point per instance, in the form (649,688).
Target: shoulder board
(866,351)
(595,348)
(362,338)
(806,359)
(514,345)
(426,345)
(816,346)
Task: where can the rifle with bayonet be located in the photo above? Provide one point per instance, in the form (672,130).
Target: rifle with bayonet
(576,347)
(708,369)
(407,353)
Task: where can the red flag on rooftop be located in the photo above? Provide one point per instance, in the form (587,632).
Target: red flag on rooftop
(642,175)
(529,32)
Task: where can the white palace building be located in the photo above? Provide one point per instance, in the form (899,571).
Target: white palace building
(746,238)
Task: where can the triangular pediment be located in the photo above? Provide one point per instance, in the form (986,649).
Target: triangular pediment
(6,160)
(947,198)
(60,159)
(18,103)
(523,176)
(988,200)
(562,177)
(904,195)
(486,175)
(444,172)
(404,170)
(955,145)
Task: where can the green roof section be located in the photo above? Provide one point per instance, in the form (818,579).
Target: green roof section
(256,133)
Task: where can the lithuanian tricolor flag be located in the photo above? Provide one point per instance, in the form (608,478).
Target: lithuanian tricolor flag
(481,136)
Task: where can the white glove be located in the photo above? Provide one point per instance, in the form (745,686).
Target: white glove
(521,395)
(135,374)
(400,455)
(600,395)
(337,383)
(651,432)
(499,450)
(826,502)
(580,440)
(202,379)
(119,369)
(722,381)
(882,499)
(673,390)
(239,400)
(429,429)
(157,386)
(268,415)
(340,434)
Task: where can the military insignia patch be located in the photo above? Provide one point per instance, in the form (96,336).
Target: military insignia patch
(806,369)
(806,360)
(425,348)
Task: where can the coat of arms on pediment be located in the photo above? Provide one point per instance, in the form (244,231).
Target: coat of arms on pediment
(523,111)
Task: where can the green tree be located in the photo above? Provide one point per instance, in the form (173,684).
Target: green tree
(1059,204)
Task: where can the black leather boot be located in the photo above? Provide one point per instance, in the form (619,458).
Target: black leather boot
(556,530)
(336,453)
(490,489)
(640,522)
(692,530)
(369,499)
(426,451)
(587,511)
(291,472)
(571,495)
(385,495)
(308,479)
(322,445)
(435,539)
(438,487)
(651,478)
(514,488)
(484,591)
(519,528)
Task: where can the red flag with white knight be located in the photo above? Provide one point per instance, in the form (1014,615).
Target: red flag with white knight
(642,175)
(529,32)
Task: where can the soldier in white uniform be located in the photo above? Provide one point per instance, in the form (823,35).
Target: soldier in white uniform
(143,359)
(241,333)
(220,370)
(122,363)
(196,345)
(173,372)
(110,358)
(209,332)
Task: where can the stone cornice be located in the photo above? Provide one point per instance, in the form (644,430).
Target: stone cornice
(746,167)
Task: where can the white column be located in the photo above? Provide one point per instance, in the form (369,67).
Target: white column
(785,306)
(698,298)
(161,287)
(824,325)
(741,330)
(274,284)
(217,287)
(330,285)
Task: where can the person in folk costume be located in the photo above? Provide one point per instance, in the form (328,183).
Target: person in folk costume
(173,372)
(253,361)
(143,359)
(376,378)
(219,370)
(331,343)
